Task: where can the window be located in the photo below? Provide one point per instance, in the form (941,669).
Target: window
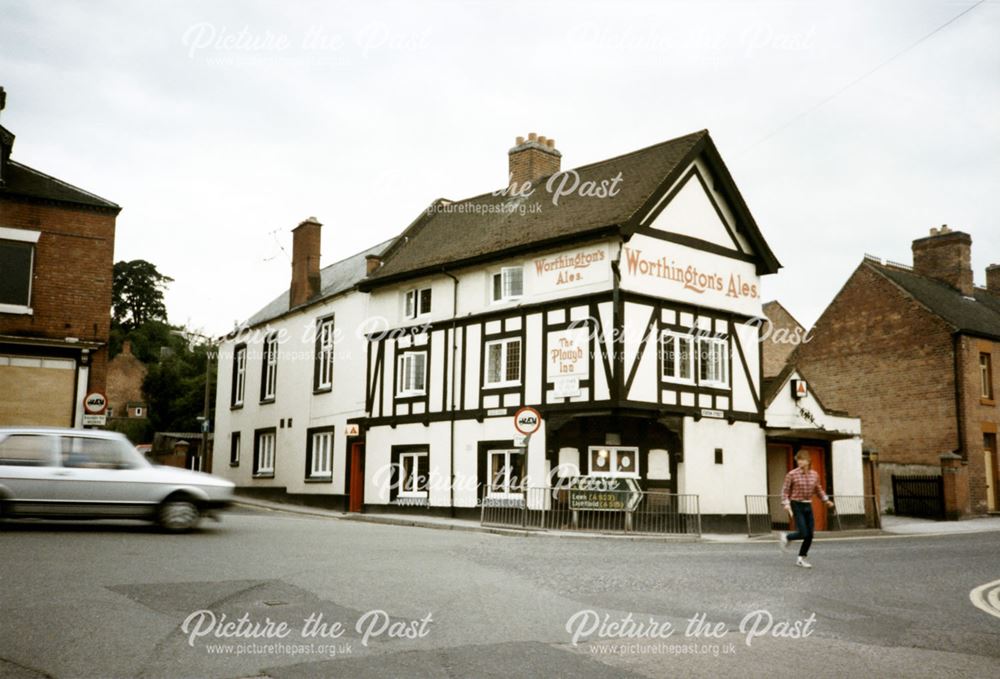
(986,375)
(234,449)
(503,362)
(417,302)
(323,366)
(713,361)
(263,452)
(17,259)
(269,368)
(678,359)
(508,284)
(319,454)
(26,450)
(614,461)
(413,473)
(506,472)
(239,375)
(412,373)
(94,453)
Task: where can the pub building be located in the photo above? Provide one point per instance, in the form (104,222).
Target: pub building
(621,300)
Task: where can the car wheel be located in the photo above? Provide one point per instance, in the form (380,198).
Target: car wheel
(178,515)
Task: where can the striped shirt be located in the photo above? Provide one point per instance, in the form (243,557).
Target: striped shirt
(801,485)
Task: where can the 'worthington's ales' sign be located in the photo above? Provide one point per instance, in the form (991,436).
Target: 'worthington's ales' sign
(570,268)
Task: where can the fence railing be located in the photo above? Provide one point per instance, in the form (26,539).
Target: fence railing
(612,511)
(765,513)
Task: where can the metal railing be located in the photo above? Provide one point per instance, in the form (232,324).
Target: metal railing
(921,496)
(634,512)
(765,513)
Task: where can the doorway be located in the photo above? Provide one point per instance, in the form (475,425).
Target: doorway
(992,467)
(356,478)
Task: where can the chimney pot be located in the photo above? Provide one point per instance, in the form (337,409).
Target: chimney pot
(532,136)
(519,141)
(993,278)
(551,143)
(541,139)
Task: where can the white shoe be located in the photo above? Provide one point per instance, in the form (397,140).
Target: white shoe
(783,541)
(803,563)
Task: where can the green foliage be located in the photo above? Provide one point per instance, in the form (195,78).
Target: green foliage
(175,387)
(137,294)
(138,430)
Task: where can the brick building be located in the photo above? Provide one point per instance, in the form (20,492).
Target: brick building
(124,384)
(911,350)
(56,263)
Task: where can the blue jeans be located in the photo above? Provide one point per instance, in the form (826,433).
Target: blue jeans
(805,525)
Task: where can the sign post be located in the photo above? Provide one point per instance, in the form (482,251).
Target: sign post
(95,408)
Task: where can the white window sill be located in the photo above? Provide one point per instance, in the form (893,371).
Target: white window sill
(714,385)
(408,394)
(501,385)
(614,475)
(677,380)
(19,309)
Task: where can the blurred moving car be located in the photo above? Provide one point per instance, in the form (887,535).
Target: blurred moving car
(91,474)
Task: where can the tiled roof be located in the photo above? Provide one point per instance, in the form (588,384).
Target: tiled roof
(490,226)
(334,279)
(21,180)
(977,315)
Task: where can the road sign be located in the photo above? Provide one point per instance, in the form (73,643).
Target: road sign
(95,403)
(527,420)
(352,430)
(94,420)
(599,494)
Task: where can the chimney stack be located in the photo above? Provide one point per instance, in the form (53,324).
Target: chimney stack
(372,263)
(993,278)
(532,159)
(947,256)
(305,262)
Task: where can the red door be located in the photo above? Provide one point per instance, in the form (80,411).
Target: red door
(356,489)
(817,459)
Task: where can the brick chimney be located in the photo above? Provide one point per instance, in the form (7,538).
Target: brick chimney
(532,159)
(305,262)
(947,256)
(993,278)
(372,263)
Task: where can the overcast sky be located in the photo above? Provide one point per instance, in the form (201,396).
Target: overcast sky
(219,126)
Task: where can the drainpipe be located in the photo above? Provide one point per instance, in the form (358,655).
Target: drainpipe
(454,371)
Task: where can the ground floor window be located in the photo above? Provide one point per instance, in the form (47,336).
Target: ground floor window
(263,452)
(234,449)
(319,453)
(506,472)
(413,470)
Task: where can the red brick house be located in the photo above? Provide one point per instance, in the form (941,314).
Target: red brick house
(911,350)
(56,266)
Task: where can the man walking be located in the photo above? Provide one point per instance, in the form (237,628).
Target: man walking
(796,497)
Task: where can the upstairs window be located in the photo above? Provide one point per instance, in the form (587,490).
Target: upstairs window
(239,375)
(986,376)
(713,361)
(412,374)
(17,260)
(417,302)
(503,362)
(508,284)
(678,357)
(323,366)
(269,368)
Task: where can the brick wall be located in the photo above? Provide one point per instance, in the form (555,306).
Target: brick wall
(73,270)
(124,380)
(980,415)
(877,354)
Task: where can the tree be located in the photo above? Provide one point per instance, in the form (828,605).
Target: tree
(175,387)
(137,294)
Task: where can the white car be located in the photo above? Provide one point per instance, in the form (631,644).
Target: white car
(91,474)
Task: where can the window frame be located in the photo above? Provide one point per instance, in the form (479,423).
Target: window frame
(418,492)
(717,343)
(402,373)
(235,445)
(29,239)
(417,310)
(985,376)
(508,454)
(311,473)
(323,362)
(237,395)
(676,337)
(503,343)
(614,452)
(269,369)
(503,272)
(259,471)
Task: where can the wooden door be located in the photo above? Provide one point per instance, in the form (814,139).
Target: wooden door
(356,488)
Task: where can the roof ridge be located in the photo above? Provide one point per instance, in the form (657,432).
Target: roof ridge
(64,183)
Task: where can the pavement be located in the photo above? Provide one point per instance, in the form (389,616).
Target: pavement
(891,525)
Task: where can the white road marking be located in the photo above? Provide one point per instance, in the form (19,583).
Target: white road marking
(987,598)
